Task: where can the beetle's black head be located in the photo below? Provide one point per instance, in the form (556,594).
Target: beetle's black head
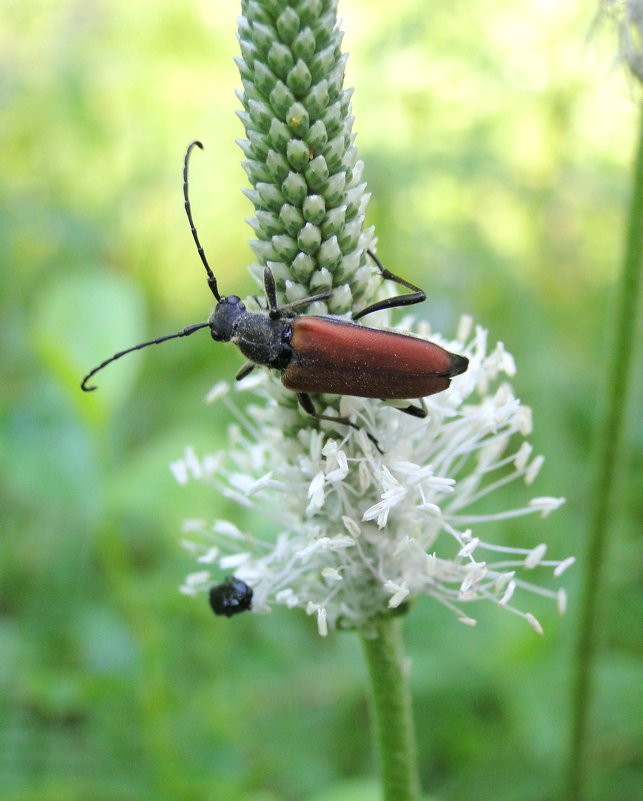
(225,314)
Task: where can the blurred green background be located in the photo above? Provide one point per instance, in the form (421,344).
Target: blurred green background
(497,139)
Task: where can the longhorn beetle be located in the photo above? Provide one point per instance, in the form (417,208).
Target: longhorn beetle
(321,354)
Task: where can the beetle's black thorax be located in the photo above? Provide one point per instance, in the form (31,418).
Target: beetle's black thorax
(260,339)
(263,340)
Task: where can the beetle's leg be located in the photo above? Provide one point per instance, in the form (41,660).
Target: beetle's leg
(308,406)
(275,311)
(289,307)
(415,411)
(271,293)
(416,296)
(247,368)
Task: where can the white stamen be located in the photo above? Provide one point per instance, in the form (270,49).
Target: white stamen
(220,389)
(533,623)
(535,557)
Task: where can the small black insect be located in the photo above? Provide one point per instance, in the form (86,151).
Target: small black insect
(231,597)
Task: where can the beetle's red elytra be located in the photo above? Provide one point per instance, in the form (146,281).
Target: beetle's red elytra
(342,358)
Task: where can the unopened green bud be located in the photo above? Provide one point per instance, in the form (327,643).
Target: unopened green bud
(317,135)
(303,45)
(281,59)
(317,99)
(349,266)
(263,36)
(285,246)
(259,145)
(246,146)
(309,239)
(303,267)
(264,77)
(341,301)
(329,254)
(295,188)
(278,167)
(271,196)
(314,209)
(297,119)
(325,26)
(334,191)
(322,62)
(254,197)
(263,248)
(320,281)
(245,70)
(299,79)
(353,199)
(335,78)
(288,24)
(333,119)
(255,12)
(334,152)
(279,135)
(281,98)
(298,154)
(349,236)
(249,51)
(291,218)
(261,114)
(317,173)
(334,221)
(255,170)
(293,291)
(269,222)
(309,11)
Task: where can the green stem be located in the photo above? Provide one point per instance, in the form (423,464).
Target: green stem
(609,446)
(392,716)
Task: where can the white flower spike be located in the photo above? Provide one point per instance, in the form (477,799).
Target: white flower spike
(354,532)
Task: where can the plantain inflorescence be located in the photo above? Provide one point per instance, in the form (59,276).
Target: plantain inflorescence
(300,157)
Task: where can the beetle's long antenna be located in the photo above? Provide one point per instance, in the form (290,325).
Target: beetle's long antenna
(212,281)
(190,329)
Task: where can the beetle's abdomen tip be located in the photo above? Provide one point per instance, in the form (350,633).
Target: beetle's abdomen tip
(459,364)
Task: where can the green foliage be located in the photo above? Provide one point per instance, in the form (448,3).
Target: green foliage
(496,148)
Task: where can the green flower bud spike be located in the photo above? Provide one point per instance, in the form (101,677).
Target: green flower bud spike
(307,191)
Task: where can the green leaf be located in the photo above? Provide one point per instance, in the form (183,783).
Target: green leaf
(80,321)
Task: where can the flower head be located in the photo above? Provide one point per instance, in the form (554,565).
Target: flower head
(355,532)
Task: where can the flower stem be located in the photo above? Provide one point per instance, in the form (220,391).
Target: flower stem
(609,446)
(392,716)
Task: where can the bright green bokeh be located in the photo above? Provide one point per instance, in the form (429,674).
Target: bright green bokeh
(496,142)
